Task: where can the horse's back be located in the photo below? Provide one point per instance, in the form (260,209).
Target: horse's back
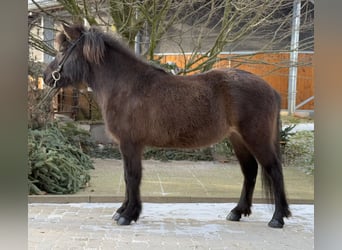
(246,92)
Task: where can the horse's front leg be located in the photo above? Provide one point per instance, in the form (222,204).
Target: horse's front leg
(131,208)
(120,210)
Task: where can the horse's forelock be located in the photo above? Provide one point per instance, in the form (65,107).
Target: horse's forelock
(94,46)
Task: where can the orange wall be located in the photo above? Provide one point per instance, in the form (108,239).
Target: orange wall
(271,67)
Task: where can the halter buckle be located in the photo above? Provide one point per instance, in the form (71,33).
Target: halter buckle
(56,75)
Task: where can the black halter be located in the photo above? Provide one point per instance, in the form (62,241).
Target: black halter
(56,74)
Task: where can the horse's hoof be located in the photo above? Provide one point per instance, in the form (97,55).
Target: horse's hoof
(233,216)
(275,223)
(122,221)
(116,216)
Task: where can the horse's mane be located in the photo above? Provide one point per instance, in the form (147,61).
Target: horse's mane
(96,43)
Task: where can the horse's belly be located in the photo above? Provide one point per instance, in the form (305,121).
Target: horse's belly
(190,139)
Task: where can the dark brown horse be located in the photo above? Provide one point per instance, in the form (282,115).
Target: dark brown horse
(145,106)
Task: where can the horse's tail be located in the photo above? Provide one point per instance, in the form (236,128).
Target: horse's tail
(275,161)
(278,128)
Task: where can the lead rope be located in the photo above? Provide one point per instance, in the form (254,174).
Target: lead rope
(53,90)
(56,75)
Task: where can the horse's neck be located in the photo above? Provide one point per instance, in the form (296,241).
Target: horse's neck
(118,70)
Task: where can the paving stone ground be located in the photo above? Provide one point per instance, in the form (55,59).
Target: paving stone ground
(207,190)
(165,226)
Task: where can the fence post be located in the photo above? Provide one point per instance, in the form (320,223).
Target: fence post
(292,88)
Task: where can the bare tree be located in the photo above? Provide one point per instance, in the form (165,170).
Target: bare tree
(216,26)
(203,28)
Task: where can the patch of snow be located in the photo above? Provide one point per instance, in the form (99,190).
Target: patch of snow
(301,127)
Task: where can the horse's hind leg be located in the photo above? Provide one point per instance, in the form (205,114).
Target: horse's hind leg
(268,156)
(273,179)
(131,207)
(249,168)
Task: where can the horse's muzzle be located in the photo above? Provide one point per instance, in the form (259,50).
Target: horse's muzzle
(47,79)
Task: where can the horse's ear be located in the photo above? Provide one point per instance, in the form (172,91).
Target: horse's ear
(71,32)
